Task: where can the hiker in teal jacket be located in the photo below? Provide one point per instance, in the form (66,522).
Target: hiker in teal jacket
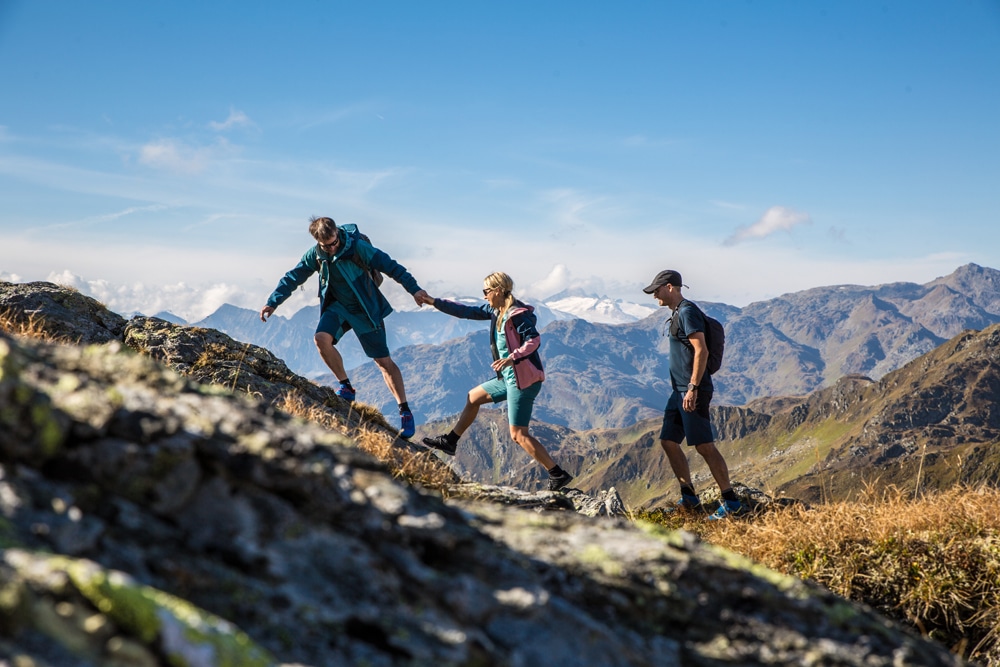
(350,271)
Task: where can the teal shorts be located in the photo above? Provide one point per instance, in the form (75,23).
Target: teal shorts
(519,401)
(373,342)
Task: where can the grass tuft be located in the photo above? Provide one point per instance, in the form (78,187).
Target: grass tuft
(419,467)
(29,325)
(932,562)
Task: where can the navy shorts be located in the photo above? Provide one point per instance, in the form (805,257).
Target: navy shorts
(373,343)
(695,426)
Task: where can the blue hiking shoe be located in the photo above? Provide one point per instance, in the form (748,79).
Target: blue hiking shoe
(687,503)
(727,508)
(407,425)
(346,392)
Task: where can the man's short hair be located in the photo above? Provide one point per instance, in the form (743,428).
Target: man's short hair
(668,277)
(322,228)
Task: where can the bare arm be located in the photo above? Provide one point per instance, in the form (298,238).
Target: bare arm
(697,340)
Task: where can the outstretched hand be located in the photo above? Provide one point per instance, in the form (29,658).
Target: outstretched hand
(265,313)
(423,298)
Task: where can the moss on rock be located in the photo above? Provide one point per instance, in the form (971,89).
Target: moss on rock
(188,635)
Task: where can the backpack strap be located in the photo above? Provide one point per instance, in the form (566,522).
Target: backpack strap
(675,323)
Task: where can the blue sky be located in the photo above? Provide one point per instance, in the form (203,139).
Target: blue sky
(169,155)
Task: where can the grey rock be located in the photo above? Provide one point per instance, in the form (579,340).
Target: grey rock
(294,544)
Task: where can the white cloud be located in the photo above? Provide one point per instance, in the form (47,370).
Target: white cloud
(729,205)
(236,119)
(174,155)
(97,220)
(570,210)
(192,302)
(193,283)
(557,280)
(775,219)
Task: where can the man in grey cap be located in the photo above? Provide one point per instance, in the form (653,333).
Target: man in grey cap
(686,414)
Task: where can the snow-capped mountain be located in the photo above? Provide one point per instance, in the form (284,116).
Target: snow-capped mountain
(600,309)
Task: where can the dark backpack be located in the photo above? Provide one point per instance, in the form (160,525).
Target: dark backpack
(355,233)
(715,338)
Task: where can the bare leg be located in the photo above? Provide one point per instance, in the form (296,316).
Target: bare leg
(393,377)
(529,444)
(473,400)
(678,461)
(716,464)
(331,356)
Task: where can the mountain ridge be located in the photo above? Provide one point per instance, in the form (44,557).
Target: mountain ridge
(932,424)
(602,375)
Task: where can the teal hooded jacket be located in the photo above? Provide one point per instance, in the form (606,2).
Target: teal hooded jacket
(341,267)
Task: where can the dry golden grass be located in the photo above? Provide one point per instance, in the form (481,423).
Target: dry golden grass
(16,323)
(931,562)
(417,467)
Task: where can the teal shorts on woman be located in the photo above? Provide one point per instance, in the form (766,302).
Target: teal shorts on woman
(519,401)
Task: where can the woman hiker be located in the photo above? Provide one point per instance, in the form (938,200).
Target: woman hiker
(515,342)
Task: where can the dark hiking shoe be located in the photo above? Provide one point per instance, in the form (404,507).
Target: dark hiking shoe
(687,503)
(441,443)
(557,482)
(346,393)
(727,508)
(407,426)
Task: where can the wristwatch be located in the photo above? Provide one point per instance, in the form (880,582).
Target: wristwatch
(692,386)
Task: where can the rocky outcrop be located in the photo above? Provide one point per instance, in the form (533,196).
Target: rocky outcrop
(733,423)
(149,519)
(58,313)
(139,504)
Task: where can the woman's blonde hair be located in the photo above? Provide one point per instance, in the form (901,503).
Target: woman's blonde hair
(501,281)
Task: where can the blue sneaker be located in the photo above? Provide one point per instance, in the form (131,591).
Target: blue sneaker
(346,392)
(407,425)
(727,508)
(687,503)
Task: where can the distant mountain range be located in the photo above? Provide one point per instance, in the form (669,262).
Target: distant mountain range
(291,338)
(602,375)
(609,375)
(931,424)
